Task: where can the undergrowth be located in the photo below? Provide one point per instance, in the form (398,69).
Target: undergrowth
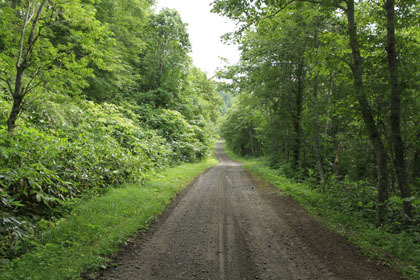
(400,250)
(82,241)
(66,147)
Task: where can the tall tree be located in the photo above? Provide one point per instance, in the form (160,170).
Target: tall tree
(165,59)
(31,30)
(127,22)
(250,13)
(366,111)
(395,116)
(38,59)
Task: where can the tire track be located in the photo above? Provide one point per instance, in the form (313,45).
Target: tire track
(222,229)
(225,226)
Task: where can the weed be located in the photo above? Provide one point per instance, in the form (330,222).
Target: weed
(82,240)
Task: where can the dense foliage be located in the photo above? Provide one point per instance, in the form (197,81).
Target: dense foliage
(92,94)
(329,91)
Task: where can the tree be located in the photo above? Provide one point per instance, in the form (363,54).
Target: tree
(395,115)
(165,60)
(366,111)
(31,18)
(38,60)
(364,58)
(127,22)
(240,125)
(199,97)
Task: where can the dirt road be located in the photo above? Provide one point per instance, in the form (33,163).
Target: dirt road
(226,226)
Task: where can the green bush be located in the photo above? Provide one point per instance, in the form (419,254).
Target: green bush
(64,147)
(82,240)
(188,142)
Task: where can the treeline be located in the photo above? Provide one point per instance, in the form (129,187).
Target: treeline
(92,94)
(329,91)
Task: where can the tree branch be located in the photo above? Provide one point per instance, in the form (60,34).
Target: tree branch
(33,87)
(30,46)
(279,10)
(32,40)
(28,87)
(28,18)
(8,85)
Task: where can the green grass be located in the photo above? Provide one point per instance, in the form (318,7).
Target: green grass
(83,240)
(398,250)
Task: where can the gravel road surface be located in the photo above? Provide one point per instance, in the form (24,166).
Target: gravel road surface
(228,225)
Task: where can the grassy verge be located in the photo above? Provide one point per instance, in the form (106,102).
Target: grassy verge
(398,250)
(96,227)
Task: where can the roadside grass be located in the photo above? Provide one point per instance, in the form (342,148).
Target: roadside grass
(398,250)
(81,241)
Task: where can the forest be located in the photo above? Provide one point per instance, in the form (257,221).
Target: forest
(92,94)
(329,92)
(96,94)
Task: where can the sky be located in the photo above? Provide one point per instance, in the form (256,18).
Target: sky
(205,30)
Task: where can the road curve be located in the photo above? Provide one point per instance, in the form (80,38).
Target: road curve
(227,226)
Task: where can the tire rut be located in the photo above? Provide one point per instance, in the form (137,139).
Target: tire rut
(225,226)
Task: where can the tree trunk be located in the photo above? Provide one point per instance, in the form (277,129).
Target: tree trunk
(17,99)
(397,142)
(337,159)
(250,139)
(298,116)
(372,129)
(412,159)
(316,125)
(330,92)
(274,138)
(316,132)
(22,62)
(287,145)
(14,113)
